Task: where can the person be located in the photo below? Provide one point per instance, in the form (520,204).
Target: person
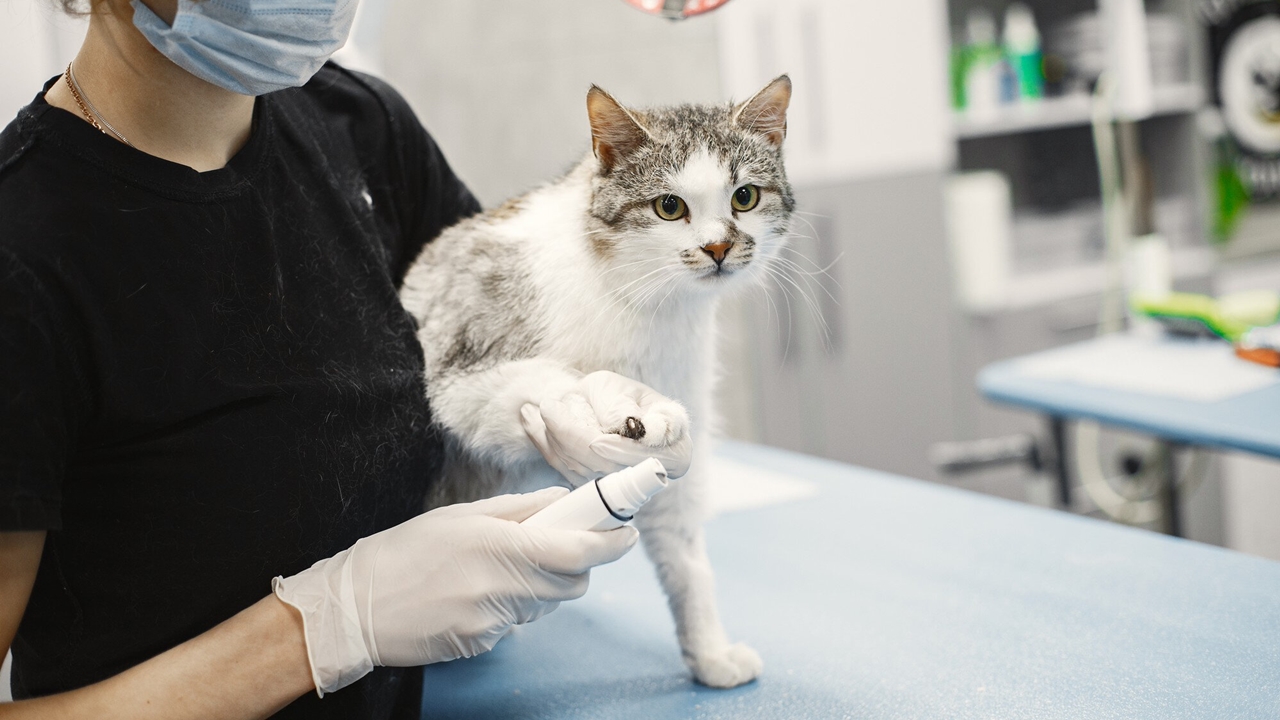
(214,438)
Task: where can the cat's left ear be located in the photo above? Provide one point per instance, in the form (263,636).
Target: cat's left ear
(766,112)
(615,133)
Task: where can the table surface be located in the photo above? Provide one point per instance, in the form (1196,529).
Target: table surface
(1248,421)
(883,597)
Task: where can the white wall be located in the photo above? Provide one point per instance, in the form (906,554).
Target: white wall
(36,42)
(502,84)
(871,88)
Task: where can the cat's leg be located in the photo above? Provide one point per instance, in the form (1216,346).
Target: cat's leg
(482,409)
(671,528)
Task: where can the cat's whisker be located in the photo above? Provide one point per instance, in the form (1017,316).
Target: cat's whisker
(768,296)
(812,304)
(621,290)
(654,289)
(635,308)
(809,276)
(811,226)
(658,309)
(616,268)
(629,301)
(817,271)
(619,298)
(786,296)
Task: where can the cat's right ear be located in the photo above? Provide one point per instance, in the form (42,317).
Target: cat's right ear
(766,112)
(615,133)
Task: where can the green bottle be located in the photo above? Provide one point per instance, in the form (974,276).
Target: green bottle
(1022,50)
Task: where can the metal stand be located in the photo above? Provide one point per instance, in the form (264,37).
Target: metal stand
(1169,506)
(1058,435)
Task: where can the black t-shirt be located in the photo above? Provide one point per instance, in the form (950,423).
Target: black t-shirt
(207,379)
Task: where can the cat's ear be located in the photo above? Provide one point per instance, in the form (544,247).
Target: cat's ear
(766,112)
(615,133)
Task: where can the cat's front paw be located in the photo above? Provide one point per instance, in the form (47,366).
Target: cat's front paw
(660,425)
(729,667)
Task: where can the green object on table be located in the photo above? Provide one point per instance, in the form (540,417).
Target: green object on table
(1227,317)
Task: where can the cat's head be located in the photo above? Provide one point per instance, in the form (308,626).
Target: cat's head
(691,197)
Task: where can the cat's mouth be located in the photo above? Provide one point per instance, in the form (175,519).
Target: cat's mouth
(717,273)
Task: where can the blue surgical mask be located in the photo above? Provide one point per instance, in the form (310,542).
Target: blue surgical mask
(251,47)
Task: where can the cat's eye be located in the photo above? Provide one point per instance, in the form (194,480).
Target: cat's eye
(745,198)
(670,207)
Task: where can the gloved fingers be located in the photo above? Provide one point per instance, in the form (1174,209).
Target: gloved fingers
(536,429)
(483,643)
(573,552)
(570,462)
(535,611)
(570,440)
(543,609)
(564,428)
(675,458)
(515,507)
(553,587)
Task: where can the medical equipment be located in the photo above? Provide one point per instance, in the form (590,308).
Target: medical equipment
(604,504)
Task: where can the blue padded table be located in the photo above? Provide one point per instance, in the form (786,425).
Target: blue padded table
(1248,421)
(883,597)
(1243,418)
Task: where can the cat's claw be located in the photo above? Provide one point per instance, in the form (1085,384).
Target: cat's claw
(632,429)
(663,423)
(734,665)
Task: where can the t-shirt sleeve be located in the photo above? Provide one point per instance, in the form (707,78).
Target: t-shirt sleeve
(41,399)
(433,197)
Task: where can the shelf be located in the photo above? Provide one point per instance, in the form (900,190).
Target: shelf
(1036,289)
(1067,111)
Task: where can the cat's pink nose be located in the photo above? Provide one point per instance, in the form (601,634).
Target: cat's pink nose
(717,250)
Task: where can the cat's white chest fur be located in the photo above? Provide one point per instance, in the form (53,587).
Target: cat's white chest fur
(652,331)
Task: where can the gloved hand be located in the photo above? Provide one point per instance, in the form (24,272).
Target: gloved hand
(608,422)
(444,585)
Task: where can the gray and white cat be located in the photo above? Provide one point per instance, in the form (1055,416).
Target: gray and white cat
(616,266)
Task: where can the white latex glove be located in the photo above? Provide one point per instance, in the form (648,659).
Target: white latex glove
(581,434)
(444,585)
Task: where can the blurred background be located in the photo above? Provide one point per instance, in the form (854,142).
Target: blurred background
(947,181)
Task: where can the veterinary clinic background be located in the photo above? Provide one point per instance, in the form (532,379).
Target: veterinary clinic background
(928,349)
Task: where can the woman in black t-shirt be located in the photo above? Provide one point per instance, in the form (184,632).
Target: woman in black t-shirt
(208,382)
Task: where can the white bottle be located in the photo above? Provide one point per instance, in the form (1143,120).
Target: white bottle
(982,74)
(604,504)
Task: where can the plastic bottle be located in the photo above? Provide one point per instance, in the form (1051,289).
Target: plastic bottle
(607,503)
(982,65)
(1022,47)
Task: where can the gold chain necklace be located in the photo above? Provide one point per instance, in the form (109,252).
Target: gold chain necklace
(90,112)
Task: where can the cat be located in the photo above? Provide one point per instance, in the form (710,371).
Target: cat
(618,265)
